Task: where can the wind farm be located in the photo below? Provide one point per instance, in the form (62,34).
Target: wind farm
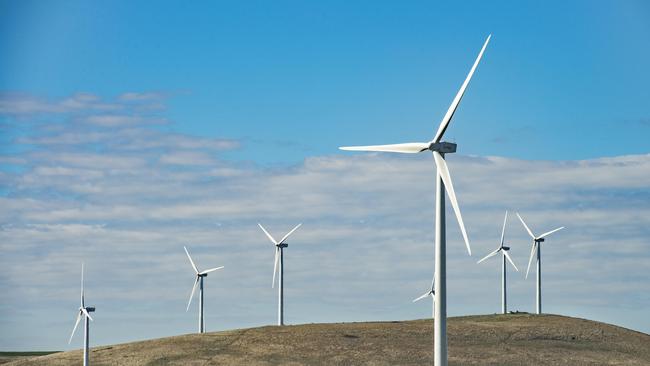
(130,130)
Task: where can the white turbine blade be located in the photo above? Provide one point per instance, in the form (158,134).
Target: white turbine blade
(290,232)
(505,252)
(211,270)
(530,260)
(526,226)
(443,171)
(267,234)
(454,104)
(82,285)
(503,230)
(407,148)
(275,265)
(196,281)
(493,253)
(550,232)
(433,281)
(75,326)
(191,261)
(422,297)
(83,310)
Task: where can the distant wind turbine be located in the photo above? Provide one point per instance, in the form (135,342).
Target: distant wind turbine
(279,246)
(439,149)
(537,240)
(199,280)
(84,311)
(432,293)
(504,255)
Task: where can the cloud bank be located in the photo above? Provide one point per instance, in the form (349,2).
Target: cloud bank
(109,184)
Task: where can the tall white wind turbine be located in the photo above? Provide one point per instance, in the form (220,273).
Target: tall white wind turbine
(439,149)
(84,311)
(432,293)
(279,258)
(536,248)
(504,255)
(199,280)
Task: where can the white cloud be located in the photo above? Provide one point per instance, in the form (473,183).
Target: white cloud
(126,208)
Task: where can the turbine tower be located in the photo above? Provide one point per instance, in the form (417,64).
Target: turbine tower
(199,280)
(84,311)
(537,240)
(432,293)
(504,254)
(279,246)
(443,181)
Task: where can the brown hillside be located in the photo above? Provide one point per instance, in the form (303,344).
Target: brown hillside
(520,339)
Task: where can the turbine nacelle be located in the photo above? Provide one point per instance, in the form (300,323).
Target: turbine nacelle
(282,245)
(443,147)
(539,240)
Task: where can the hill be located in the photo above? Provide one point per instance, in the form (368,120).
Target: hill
(513,339)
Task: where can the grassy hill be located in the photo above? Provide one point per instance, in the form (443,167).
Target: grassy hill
(514,339)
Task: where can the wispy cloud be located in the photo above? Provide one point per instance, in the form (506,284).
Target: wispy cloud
(25,104)
(126,199)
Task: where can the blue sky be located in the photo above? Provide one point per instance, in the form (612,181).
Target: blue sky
(131,129)
(290,76)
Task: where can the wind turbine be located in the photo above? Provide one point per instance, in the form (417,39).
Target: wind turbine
(279,246)
(199,280)
(504,254)
(432,293)
(537,240)
(84,311)
(443,180)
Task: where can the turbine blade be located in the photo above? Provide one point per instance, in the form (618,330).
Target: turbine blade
(505,252)
(422,297)
(406,148)
(196,281)
(275,265)
(86,313)
(75,326)
(82,284)
(454,104)
(290,232)
(530,260)
(526,226)
(550,232)
(503,230)
(211,270)
(267,234)
(443,172)
(191,261)
(433,282)
(493,253)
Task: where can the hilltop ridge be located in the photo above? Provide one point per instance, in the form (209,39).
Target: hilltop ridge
(512,339)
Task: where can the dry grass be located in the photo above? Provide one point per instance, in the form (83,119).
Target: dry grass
(519,339)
